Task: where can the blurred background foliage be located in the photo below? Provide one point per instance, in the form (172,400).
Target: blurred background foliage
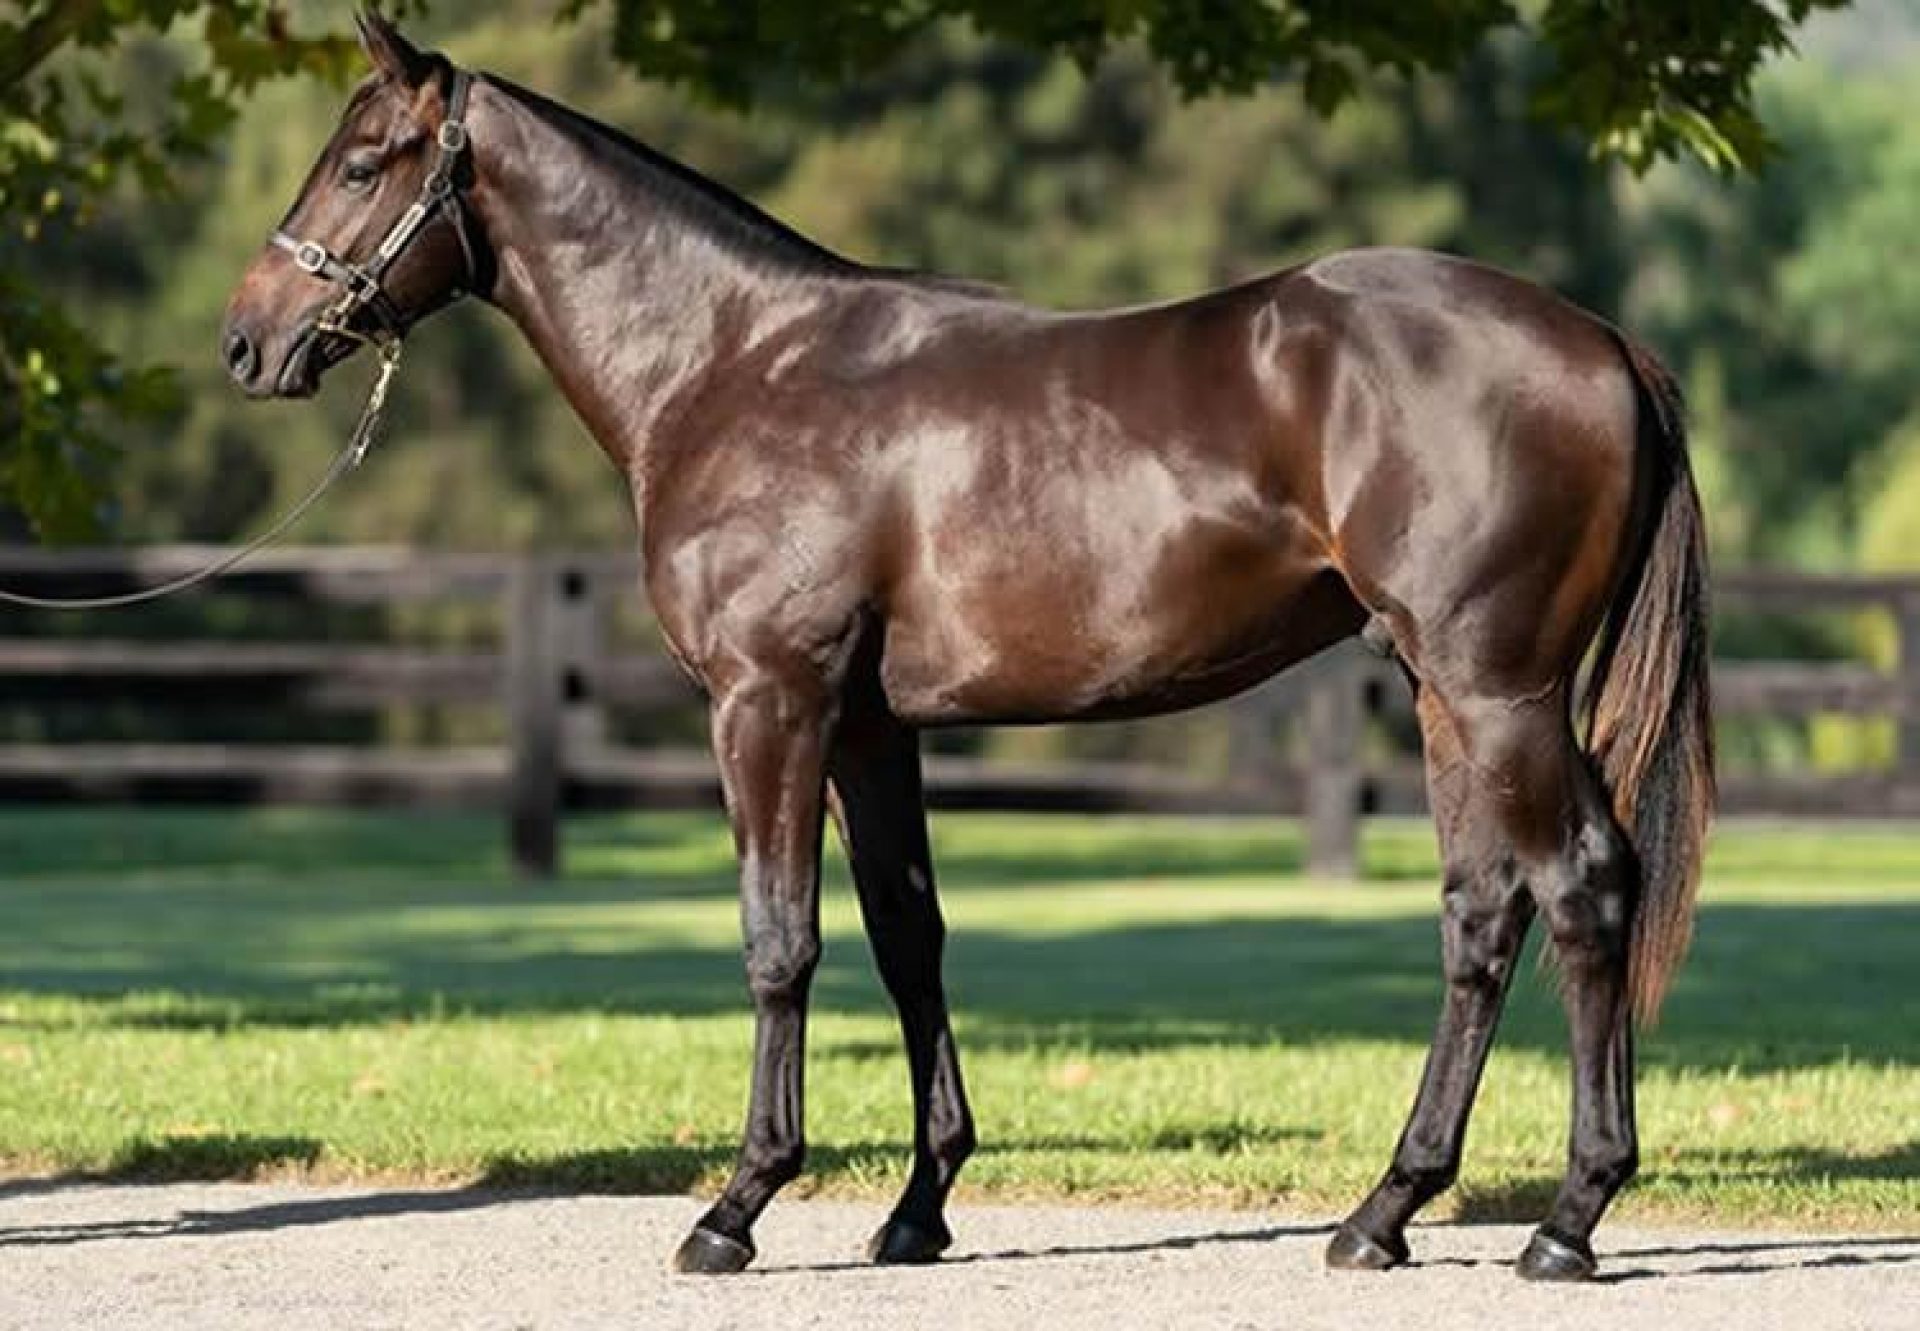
(1788,300)
(105,99)
(1782,298)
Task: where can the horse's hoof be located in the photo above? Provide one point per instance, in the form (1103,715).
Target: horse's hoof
(903,1243)
(706,1253)
(1350,1250)
(1550,1258)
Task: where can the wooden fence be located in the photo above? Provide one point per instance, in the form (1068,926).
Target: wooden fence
(558,671)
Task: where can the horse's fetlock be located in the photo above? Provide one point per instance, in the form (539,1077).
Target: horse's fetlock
(954,1146)
(778,1163)
(1612,1170)
(1427,1178)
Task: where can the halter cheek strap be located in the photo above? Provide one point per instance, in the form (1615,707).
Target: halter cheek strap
(363,285)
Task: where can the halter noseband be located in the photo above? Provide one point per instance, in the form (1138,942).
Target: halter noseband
(363,283)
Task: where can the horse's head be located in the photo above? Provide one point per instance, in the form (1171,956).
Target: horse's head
(375,242)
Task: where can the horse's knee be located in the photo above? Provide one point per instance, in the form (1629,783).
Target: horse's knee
(780,966)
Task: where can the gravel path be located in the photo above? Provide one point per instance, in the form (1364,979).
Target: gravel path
(234,1256)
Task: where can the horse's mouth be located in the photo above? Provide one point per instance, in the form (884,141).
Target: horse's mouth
(315,351)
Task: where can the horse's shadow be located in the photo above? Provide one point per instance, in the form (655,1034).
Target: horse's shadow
(1067,1251)
(1756,1256)
(272,1217)
(1760,1256)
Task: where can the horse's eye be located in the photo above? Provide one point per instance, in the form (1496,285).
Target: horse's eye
(359,174)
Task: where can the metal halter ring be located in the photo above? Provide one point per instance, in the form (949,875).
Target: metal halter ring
(310,257)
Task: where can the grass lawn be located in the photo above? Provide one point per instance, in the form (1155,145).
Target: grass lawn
(1155,1011)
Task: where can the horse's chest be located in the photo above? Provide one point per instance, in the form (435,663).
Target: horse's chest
(747,595)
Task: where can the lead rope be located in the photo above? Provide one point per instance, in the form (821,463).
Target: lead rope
(344,461)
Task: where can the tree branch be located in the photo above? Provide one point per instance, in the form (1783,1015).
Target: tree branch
(41,37)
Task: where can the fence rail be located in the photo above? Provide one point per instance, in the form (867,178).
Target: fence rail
(557,673)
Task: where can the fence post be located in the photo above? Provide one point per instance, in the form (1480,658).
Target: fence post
(535,684)
(1906,758)
(1253,758)
(580,632)
(1335,724)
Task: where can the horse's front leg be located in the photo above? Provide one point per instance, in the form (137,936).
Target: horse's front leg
(770,736)
(875,771)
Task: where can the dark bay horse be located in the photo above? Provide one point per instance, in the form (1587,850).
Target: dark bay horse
(873,501)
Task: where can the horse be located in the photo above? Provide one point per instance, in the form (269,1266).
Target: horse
(873,501)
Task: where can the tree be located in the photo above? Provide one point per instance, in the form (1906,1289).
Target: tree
(1783,302)
(70,139)
(1638,79)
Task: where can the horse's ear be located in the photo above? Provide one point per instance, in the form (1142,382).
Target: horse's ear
(392,54)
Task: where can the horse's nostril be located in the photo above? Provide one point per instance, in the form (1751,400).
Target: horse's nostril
(242,358)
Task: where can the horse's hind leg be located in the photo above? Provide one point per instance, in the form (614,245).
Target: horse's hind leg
(1533,817)
(1485,913)
(1587,897)
(875,773)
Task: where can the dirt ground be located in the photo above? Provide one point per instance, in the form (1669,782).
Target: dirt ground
(233,1255)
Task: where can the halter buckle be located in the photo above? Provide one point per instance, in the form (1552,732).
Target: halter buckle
(310,257)
(363,284)
(452,136)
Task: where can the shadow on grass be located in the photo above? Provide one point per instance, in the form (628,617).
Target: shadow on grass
(305,918)
(658,854)
(1697,1171)
(1768,986)
(673,1168)
(194,1157)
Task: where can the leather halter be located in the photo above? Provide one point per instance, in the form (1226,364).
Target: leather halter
(363,284)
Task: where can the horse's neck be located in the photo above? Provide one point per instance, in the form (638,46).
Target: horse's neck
(629,303)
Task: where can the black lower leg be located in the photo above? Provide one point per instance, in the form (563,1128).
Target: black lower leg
(1589,920)
(1482,931)
(774,1147)
(942,1140)
(876,779)
(774,773)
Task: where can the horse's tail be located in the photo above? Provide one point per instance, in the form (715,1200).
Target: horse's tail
(1648,698)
